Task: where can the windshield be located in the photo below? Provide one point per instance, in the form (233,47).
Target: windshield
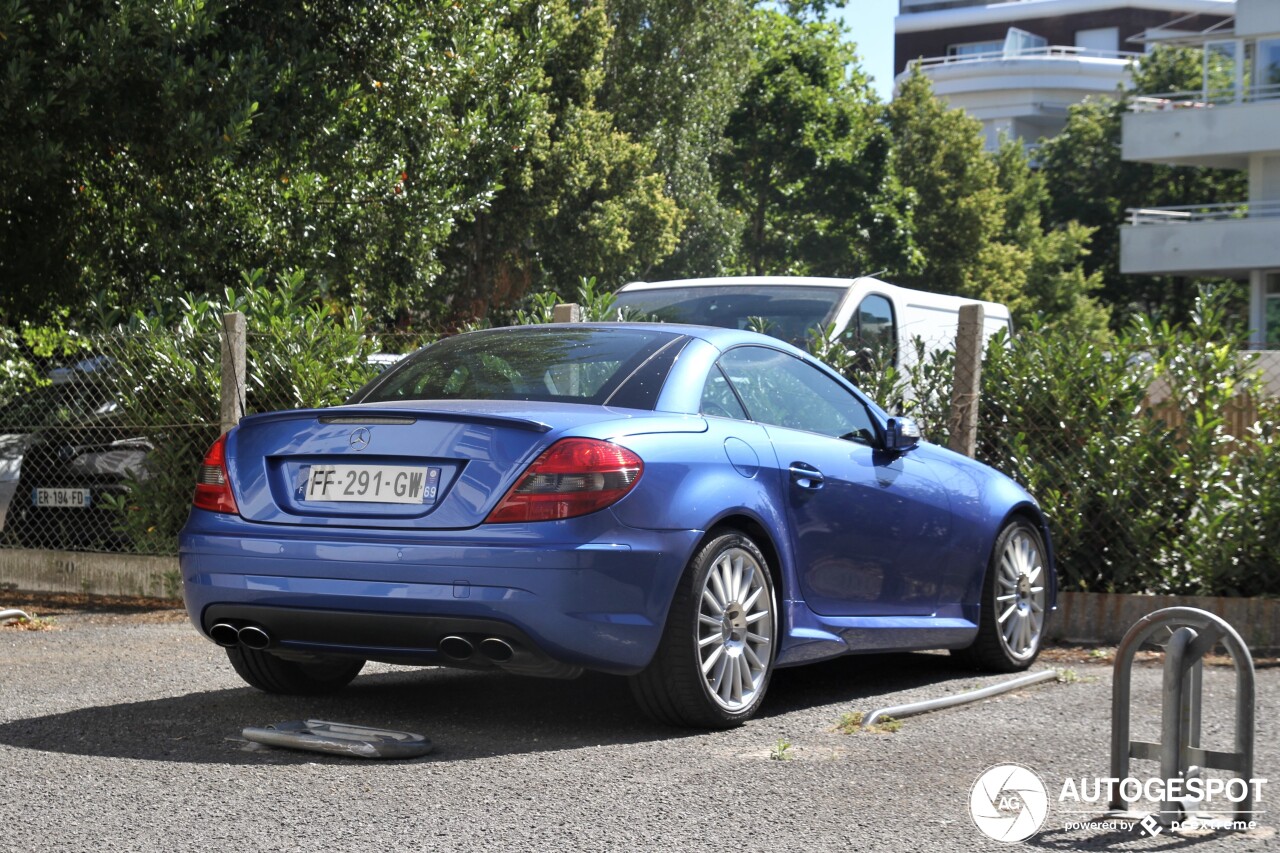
(70,403)
(786,311)
(604,366)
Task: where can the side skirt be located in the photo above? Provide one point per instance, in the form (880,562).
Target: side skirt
(809,637)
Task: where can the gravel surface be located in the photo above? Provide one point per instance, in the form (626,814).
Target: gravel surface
(124,734)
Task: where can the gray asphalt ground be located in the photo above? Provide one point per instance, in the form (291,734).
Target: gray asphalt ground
(126,736)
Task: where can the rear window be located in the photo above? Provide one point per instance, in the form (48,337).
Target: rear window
(786,311)
(603,366)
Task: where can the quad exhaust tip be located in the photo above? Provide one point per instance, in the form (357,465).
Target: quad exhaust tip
(229,636)
(496,649)
(225,634)
(253,637)
(458,648)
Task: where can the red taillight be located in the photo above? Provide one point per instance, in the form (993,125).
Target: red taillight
(213,487)
(572,477)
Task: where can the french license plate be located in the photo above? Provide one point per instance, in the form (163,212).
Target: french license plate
(390,484)
(76,498)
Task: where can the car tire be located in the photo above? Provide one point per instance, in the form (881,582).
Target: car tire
(715,658)
(267,672)
(1011,621)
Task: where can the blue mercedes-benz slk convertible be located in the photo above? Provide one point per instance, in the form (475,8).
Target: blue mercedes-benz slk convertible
(688,507)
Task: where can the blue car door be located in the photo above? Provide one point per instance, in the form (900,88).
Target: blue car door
(870,530)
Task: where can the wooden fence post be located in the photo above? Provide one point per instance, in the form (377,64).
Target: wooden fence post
(967,384)
(233,369)
(567,312)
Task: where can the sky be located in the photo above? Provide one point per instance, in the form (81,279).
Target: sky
(870,24)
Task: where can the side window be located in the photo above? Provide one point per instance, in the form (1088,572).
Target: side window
(718,399)
(782,390)
(871,330)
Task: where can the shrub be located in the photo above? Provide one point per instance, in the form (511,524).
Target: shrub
(301,352)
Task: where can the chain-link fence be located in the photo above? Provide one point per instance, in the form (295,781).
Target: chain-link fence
(1157,460)
(102,454)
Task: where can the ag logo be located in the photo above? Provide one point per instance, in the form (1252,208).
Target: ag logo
(1008,803)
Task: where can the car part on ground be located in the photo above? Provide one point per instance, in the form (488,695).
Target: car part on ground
(340,739)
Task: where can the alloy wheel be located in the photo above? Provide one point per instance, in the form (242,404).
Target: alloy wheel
(735,629)
(1020,595)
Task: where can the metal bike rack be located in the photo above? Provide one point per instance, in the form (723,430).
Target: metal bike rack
(1193,633)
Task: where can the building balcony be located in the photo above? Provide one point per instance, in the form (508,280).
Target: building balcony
(1053,66)
(1025,93)
(1225,240)
(1192,129)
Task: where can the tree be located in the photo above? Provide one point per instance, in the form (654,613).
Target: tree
(980,218)
(958,214)
(808,165)
(1055,287)
(1091,184)
(583,197)
(164,147)
(672,69)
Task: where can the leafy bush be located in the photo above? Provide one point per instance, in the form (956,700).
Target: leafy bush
(17,373)
(1139,500)
(167,374)
(28,352)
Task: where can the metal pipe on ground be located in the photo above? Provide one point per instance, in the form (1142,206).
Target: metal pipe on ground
(960,698)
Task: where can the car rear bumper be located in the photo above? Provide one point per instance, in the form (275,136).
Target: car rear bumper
(586,592)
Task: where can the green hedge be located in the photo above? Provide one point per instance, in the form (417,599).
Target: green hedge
(1136,503)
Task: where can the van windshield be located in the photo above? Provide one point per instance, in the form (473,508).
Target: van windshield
(786,311)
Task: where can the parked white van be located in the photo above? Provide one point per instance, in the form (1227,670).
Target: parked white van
(865,312)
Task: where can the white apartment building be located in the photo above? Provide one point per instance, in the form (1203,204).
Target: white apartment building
(1233,122)
(1018,65)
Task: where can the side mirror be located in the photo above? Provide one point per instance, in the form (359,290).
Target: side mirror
(901,434)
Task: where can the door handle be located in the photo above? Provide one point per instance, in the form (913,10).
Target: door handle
(806,476)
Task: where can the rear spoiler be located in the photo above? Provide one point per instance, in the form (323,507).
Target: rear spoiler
(357,416)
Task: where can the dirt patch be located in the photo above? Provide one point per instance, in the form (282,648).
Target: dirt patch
(94,609)
(1106,655)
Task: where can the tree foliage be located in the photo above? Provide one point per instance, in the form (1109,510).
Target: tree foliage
(938,153)
(582,197)
(1092,185)
(436,161)
(807,167)
(979,217)
(157,148)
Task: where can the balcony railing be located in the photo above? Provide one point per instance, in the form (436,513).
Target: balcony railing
(1050,52)
(1203,100)
(1202,213)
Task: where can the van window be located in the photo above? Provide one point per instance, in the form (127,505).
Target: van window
(790,312)
(872,330)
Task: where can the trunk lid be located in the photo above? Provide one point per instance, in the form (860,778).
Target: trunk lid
(415,465)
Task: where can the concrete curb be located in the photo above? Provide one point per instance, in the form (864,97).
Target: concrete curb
(92,573)
(1103,618)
